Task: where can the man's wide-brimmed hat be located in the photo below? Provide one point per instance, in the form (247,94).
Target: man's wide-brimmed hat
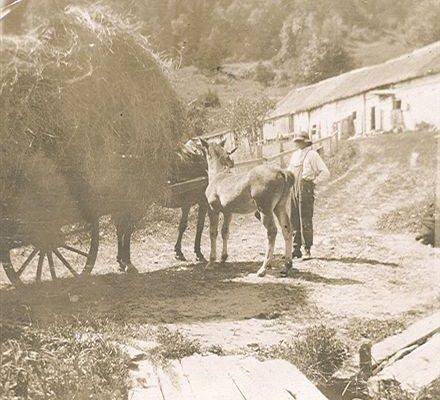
(302,137)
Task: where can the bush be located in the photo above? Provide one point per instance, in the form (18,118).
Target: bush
(264,74)
(319,354)
(66,361)
(209,99)
(174,345)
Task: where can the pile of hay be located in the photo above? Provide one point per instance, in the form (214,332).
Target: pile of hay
(89,120)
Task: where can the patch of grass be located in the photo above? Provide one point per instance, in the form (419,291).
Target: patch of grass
(408,218)
(318,354)
(173,345)
(341,161)
(64,361)
(374,329)
(392,391)
(215,349)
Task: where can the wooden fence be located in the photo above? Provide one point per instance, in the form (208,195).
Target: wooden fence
(328,146)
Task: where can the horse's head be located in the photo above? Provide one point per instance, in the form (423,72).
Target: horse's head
(216,155)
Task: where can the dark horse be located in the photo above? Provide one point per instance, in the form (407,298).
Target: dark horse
(187,185)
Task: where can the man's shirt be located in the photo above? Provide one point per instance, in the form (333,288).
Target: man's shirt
(314,169)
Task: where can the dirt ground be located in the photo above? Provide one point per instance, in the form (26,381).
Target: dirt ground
(356,272)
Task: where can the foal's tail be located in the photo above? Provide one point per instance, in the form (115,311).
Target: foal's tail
(289,179)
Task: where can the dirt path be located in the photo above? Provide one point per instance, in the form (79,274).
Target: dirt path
(357,272)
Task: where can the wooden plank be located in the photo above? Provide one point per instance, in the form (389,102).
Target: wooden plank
(264,381)
(418,331)
(415,371)
(174,384)
(242,377)
(292,380)
(208,382)
(146,383)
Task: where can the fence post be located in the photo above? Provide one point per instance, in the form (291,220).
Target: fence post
(437,198)
(282,163)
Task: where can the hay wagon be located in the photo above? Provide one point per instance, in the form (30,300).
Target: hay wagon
(53,235)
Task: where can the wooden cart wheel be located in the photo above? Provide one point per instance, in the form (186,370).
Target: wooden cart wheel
(74,254)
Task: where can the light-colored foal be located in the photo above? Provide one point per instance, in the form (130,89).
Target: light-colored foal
(264,189)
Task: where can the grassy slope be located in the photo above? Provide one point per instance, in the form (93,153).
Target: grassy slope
(409,160)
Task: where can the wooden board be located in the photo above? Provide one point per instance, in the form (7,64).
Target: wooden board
(418,331)
(223,378)
(414,371)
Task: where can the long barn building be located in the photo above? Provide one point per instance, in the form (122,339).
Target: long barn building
(395,95)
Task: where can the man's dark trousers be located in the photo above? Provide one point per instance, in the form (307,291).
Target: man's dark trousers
(302,215)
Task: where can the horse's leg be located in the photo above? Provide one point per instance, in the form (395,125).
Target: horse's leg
(201,215)
(182,227)
(120,236)
(271,228)
(213,231)
(284,220)
(127,248)
(225,235)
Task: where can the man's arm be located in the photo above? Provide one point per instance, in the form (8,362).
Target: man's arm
(323,174)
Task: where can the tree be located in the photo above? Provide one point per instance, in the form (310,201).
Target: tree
(245,118)
(264,74)
(323,59)
(422,26)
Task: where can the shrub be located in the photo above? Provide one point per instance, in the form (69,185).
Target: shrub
(174,345)
(65,361)
(319,354)
(209,99)
(264,74)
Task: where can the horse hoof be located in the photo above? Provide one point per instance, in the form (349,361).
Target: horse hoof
(224,258)
(179,257)
(200,257)
(131,269)
(261,273)
(210,265)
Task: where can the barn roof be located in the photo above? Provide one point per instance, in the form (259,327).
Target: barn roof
(421,62)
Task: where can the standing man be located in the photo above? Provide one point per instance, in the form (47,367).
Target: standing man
(309,170)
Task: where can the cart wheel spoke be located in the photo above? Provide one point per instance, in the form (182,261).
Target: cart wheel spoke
(51,265)
(79,256)
(74,250)
(40,266)
(65,263)
(27,262)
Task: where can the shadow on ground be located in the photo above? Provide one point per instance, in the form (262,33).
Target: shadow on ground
(173,295)
(312,277)
(356,260)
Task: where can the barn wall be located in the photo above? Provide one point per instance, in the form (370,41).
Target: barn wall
(329,117)
(420,100)
(274,128)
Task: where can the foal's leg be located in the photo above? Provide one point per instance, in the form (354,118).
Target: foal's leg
(284,220)
(213,231)
(271,228)
(201,214)
(182,227)
(225,235)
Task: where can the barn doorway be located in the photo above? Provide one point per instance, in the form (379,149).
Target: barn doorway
(373,118)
